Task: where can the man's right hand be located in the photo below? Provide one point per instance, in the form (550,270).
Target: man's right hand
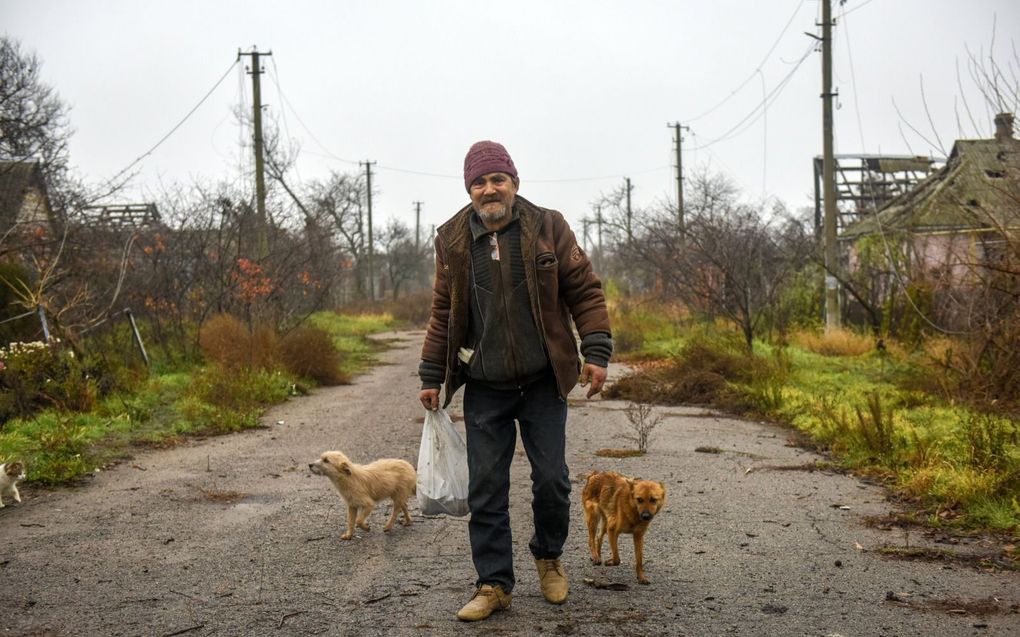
(429,399)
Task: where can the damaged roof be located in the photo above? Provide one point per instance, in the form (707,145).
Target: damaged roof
(977,189)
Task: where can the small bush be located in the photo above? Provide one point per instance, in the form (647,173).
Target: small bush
(240,389)
(834,343)
(309,352)
(702,373)
(37,375)
(226,341)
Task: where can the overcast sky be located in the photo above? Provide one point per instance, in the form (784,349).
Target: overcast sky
(580,93)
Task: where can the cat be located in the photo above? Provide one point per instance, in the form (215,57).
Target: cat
(11,473)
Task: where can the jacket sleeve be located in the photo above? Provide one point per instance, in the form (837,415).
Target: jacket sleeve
(433,352)
(580,287)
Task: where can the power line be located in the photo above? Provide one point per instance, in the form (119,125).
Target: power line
(174,129)
(757,68)
(293,110)
(330,155)
(860,6)
(757,112)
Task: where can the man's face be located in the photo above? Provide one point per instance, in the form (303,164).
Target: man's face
(492,195)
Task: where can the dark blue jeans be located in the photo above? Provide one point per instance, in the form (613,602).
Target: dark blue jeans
(489,416)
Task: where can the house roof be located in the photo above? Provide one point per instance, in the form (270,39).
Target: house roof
(977,189)
(16,179)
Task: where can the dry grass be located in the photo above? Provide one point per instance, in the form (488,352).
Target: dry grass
(835,343)
(228,342)
(309,352)
(619,453)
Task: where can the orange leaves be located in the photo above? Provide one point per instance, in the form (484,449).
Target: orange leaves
(252,281)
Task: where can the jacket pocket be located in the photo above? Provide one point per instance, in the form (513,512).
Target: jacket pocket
(546,260)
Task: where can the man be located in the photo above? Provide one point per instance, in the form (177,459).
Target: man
(510,278)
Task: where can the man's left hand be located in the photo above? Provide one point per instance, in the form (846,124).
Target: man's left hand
(594,375)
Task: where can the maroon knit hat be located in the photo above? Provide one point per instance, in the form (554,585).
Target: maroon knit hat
(487,157)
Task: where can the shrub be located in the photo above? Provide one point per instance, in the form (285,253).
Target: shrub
(309,352)
(240,389)
(700,373)
(36,375)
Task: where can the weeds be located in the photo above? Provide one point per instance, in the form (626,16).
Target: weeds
(875,428)
(871,410)
(642,423)
(839,342)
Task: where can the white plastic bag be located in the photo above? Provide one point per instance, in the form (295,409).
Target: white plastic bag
(442,467)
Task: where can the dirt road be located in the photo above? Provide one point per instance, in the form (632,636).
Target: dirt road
(233,536)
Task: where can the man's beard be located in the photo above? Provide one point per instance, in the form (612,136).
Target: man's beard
(493,216)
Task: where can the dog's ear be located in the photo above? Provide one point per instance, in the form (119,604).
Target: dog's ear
(345,468)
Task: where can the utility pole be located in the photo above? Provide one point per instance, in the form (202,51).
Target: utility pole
(630,235)
(417,226)
(832,318)
(679,179)
(598,226)
(371,267)
(260,181)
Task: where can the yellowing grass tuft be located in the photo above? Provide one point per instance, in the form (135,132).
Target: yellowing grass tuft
(834,343)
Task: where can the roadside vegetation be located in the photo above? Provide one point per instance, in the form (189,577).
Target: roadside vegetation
(888,413)
(68,410)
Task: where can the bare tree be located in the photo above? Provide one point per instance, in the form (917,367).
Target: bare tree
(732,261)
(33,117)
(402,262)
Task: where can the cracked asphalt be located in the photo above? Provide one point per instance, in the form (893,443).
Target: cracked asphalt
(233,536)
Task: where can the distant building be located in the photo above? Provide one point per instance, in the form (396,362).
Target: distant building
(24,199)
(121,216)
(951,239)
(961,215)
(866,183)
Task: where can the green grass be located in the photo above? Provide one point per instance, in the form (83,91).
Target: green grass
(349,333)
(173,403)
(960,466)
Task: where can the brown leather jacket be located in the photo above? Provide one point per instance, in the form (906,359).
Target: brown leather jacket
(561,286)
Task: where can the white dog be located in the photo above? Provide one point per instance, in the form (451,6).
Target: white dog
(361,486)
(11,473)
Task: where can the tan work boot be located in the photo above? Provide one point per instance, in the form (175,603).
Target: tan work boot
(486,599)
(553,580)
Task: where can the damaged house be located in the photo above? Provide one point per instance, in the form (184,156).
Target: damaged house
(952,235)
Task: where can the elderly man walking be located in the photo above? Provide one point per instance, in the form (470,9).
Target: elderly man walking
(511,284)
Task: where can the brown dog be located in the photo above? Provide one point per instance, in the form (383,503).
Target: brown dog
(616,504)
(362,485)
